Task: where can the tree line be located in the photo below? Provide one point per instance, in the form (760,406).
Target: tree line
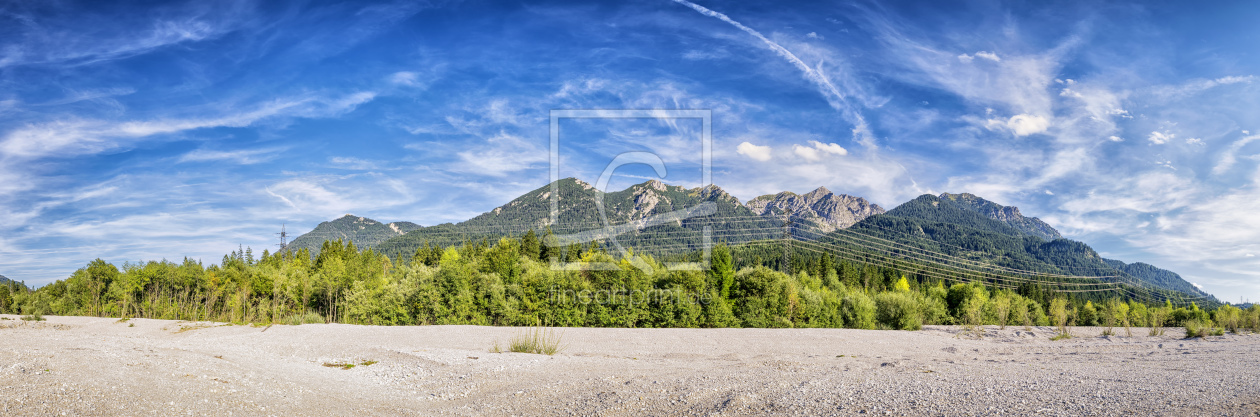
(511,282)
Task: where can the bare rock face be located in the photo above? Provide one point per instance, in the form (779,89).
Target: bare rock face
(825,210)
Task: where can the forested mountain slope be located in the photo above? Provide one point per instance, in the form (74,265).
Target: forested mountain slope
(1152,274)
(365,233)
(961,231)
(1007,214)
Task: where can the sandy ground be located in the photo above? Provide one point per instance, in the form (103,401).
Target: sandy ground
(96,366)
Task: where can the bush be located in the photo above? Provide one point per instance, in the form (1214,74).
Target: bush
(962,295)
(1059,315)
(1088,315)
(858,311)
(1002,304)
(1229,317)
(933,309)
(1196,328)
(898,310)
(1156,318)
(763,298)
(310,317)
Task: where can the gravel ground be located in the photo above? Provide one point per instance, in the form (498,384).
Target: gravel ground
(96,366)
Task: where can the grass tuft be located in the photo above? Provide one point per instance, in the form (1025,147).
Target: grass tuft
(537,340)
(33,317)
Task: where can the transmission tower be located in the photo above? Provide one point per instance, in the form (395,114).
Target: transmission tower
(284,243)
(787,243)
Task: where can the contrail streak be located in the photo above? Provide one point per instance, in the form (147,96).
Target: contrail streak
(829,91)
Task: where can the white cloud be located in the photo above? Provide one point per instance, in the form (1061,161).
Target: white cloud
(1021,124)
(1160,138)
(1115,138)
(407,78)
(1048,192)
(242,157)
(814,35)
(1195,141)
(816,152)
(1229,155)
(501,155)
(78,136)
(760,153)
(982,55)
(1195,284)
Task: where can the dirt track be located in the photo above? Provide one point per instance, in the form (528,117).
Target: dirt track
(94,366)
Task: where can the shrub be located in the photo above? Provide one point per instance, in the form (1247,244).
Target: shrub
(1195,328)
(1137,314)
(961,295)
(33,317)
(1229,317)
(1059,316)
(933,309)
(1038,314)
(310,317)
(763,298)
(1022,316)
(1002,308)
(858,311)
(1088,315)
(898,310)
(1156,317)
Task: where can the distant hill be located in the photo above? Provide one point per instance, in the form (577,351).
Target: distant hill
(4,279)
(364,232)
(1161,277)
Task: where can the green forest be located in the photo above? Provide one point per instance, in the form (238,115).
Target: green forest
(511,282)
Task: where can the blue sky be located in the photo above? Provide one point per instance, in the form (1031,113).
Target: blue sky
(163,130)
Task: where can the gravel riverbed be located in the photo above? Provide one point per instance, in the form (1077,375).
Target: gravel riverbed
(100,366)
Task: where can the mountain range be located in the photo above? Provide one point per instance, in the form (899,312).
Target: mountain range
(960,228)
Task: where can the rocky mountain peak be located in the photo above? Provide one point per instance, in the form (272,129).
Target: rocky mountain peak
(821,207)
(817,194)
